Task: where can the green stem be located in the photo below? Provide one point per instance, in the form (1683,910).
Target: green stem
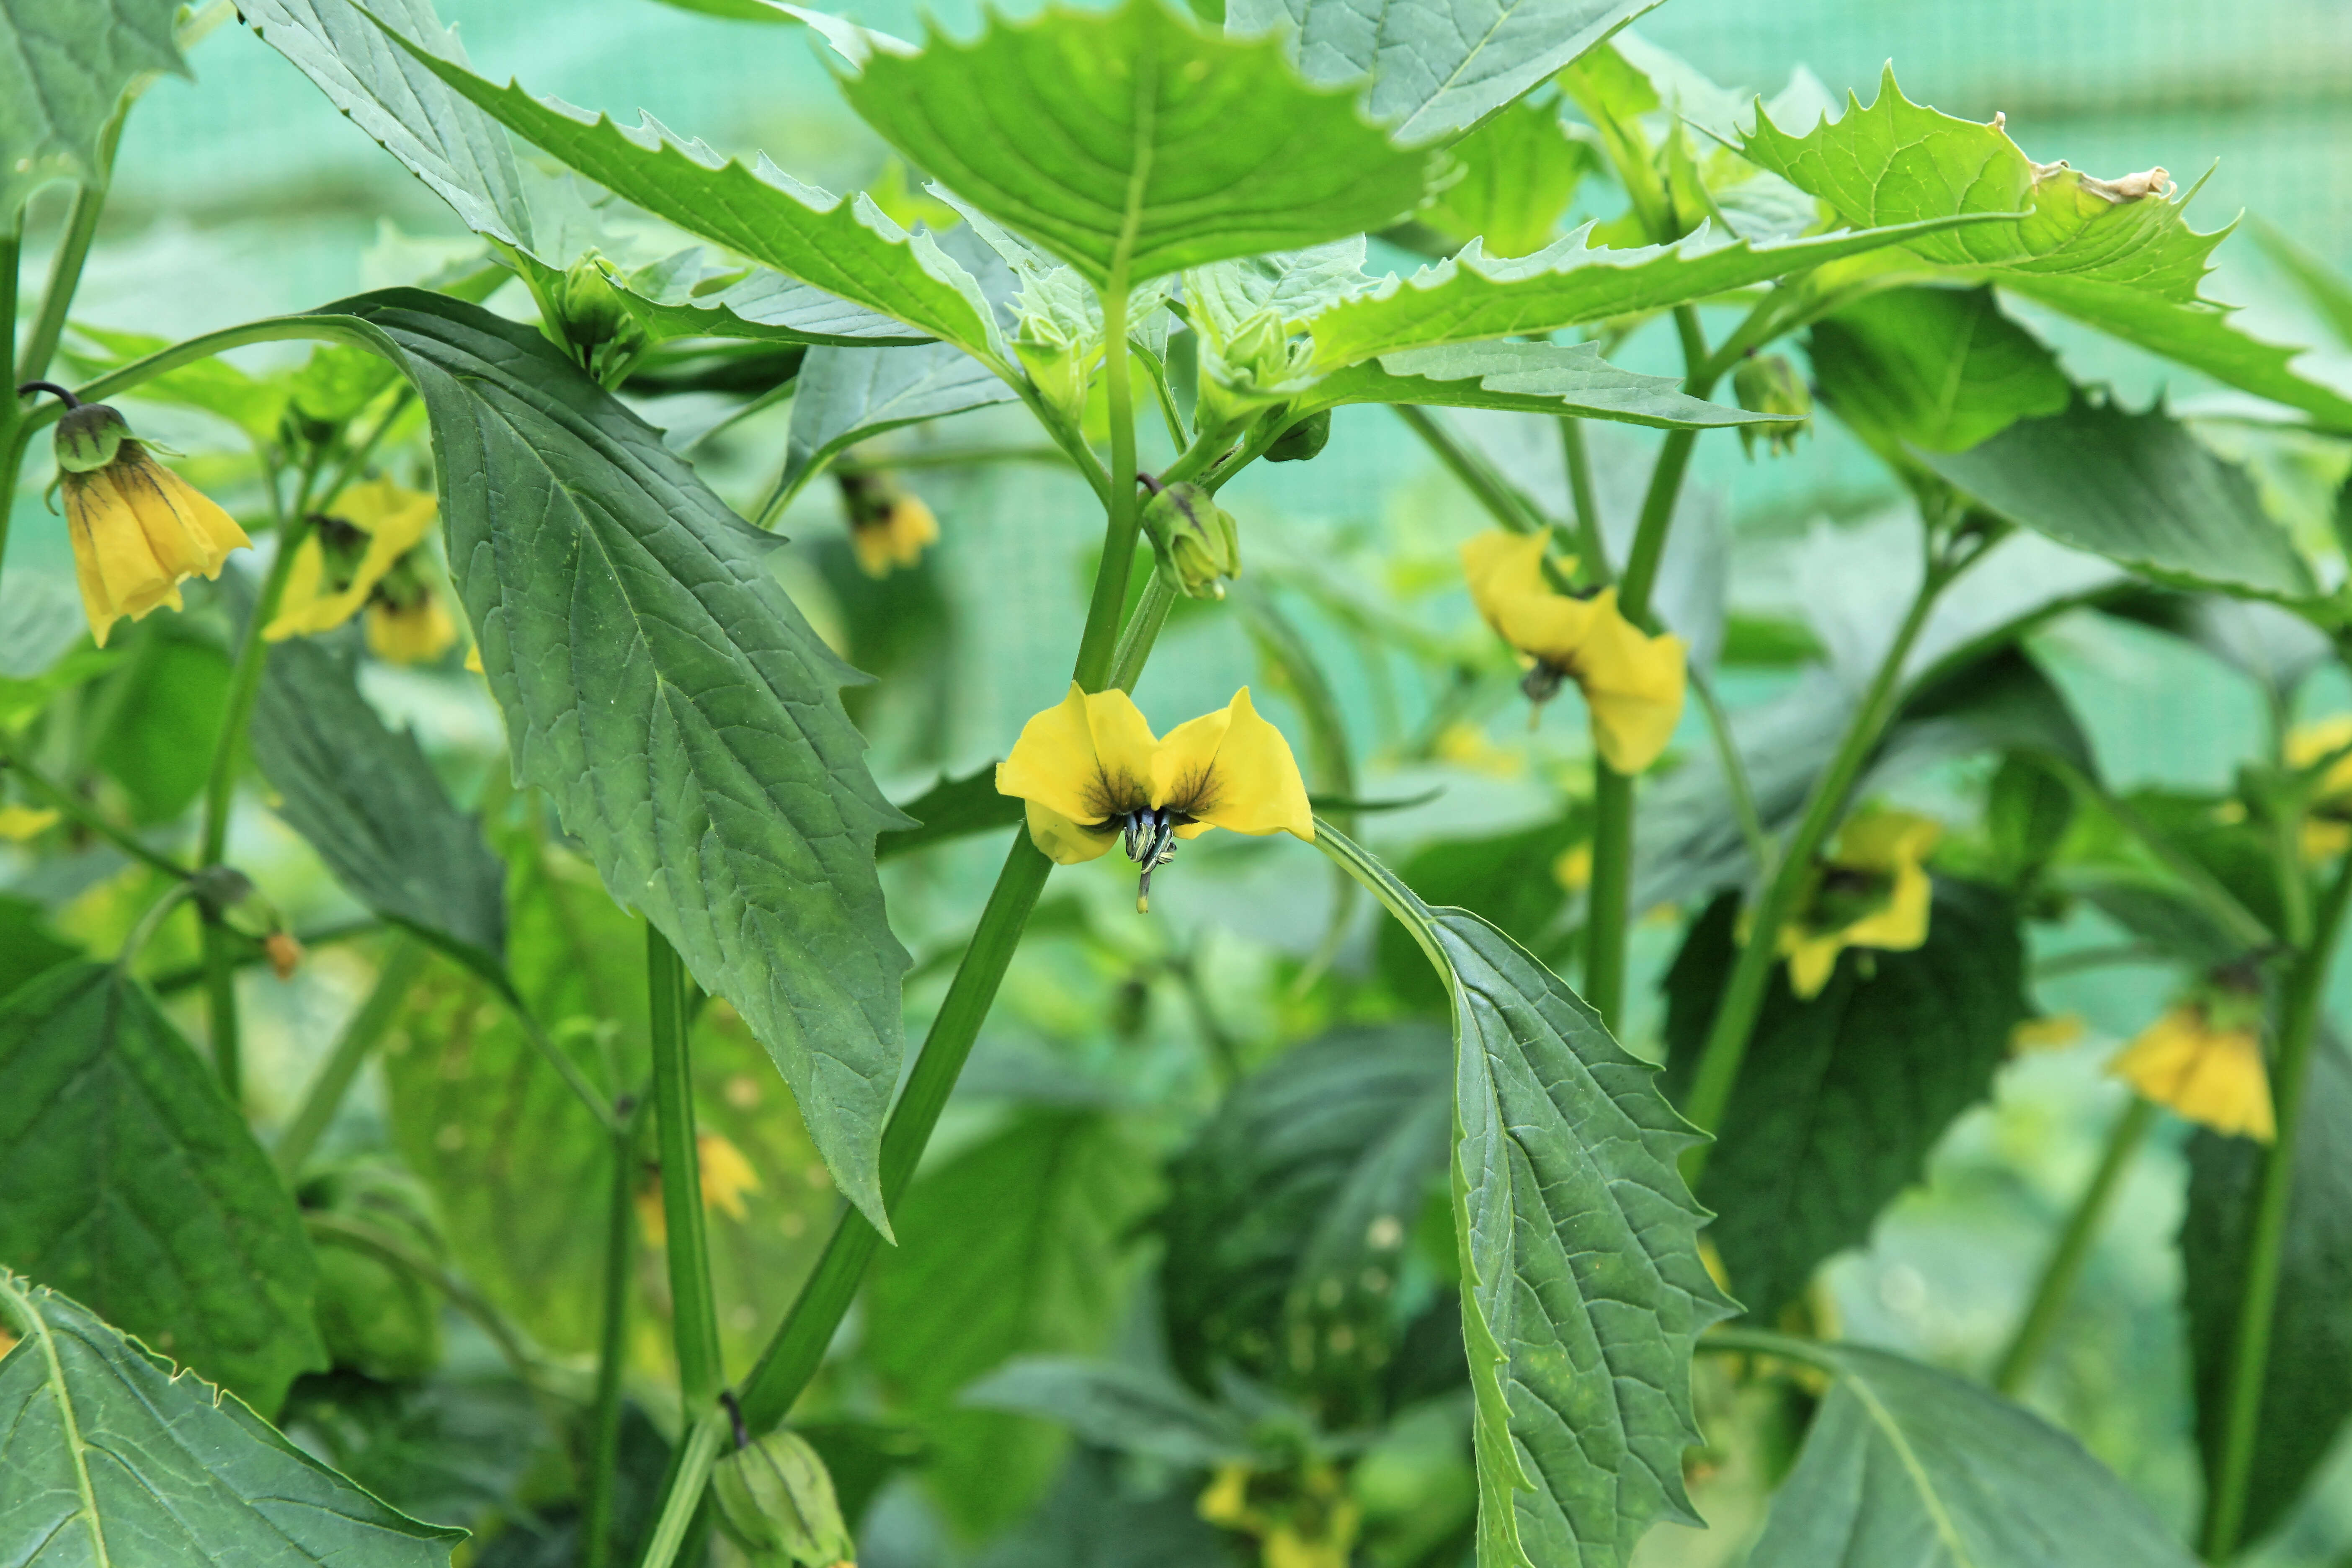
(518,1354)
(404,960)
(1743,993)
(2242,1398)
(2064,1267)
(612,1350)
(357,457)
(954,458)
(81,812)
(73,251)
(683,1499)
(557,1057)
(1594,567)
(1609,899)
(1099,642)
(1734,771)
(1497,495)
(694,1312)
(1142,630)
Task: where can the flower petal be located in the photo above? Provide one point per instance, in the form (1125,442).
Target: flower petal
(1054,761)
(1252,783)
(2209,1075)
(1065,842)
(1633,682)
(1123,749)
(395,515)
(1902,924)
(1812,959)
(1497,565)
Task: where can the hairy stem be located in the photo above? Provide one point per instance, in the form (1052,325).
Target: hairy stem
(2242,1396)
(694,1312)
(2064,1267)
(404,960)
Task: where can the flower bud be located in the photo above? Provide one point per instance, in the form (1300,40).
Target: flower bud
(589,305)
(1056,366)
(775,1496)
(1768,384)
(1303,440)
(1193,539)
(88,437)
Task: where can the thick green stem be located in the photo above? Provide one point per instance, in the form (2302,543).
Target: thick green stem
(612,1351)
(404,960)
(2241,1395)
(683,1499)
(1594,567)
(1142,630)
(1609,899)
(694,1310)
(1743,993)
(1096,648)
(73,251)
(2064,1267)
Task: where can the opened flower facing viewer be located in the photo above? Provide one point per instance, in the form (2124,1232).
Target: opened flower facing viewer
(1633,682)
(365,556)
(1093,776)
(138,530)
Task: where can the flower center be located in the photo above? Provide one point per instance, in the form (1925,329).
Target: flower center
(1149,837)
(1542,683)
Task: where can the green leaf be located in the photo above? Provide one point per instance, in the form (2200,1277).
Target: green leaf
(1841,1099)
(1291,1216)
(1100,1516)
(845,395)
(759,304)
(953,809)
(106,1457)
(1582,1292)
(1570,282)
(1536,378)
(254,404)
(1108,1405)
(1132,143)
(373,807)
(136,1185)
(1938,368)
(1906,1464)
(661,688)
(2137,488)
(1519,171)
(64,67)
(846,248)
(27,946)
(1493,876)
(2307,1385)
(2322,287)
(1015,1247)
(735,10)
(166,705)
(1436,68)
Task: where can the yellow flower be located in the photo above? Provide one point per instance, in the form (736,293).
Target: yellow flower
(1305,1521)
(19,822)
(410,633)
(7,1344)
(1573,870)
(1871,890)
(138,530)
(887,527)
(337,568)
(2205,1062)
(2327,830)
(726,1178)
(1633,682)
(2055,1032)
(1092,775)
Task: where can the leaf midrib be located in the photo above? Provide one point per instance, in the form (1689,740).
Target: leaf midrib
(37,1326)
(1929,1499)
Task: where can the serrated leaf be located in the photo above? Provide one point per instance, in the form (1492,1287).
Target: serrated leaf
(1471,297)
(845,395)
(2308,1385)
(106,1457)
(763,305)
(661,688)
(1582,1288)
(1296,284)
(1015,1247)
(1538,378)
(136,1185)
(1436,68)
(951,809)
(1839,1099)
(64,67)
(1938,368)
(373,807)
(1132,144)
(1907,1464)
(2137,488)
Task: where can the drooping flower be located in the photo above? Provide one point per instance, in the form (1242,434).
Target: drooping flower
(2327,828)
(887,527)
(1633,682)
(1093,776)
(355,558)
(726,1176)
(138,530)
(2204,1059)
(1871,890)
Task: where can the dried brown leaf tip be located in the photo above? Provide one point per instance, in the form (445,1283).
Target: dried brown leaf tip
(2131,187)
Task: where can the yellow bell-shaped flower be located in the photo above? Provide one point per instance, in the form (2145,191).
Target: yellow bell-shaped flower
(138,530)
(726,1175)
(416,633)
(1872,890)
(888,529)
(2205,1061)
(2328,829)
(1634,683)
(1092,775)
(337,568)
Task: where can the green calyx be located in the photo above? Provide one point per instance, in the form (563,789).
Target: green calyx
(590,307)
(1303,440)
(1193,539)
(775,1497)
(89,437)
(1768,384)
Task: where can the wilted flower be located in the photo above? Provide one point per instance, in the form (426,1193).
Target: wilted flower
(138,530)
(1633,682)
(1094,775)
(2204,1059)
(887,527)
(1871,890)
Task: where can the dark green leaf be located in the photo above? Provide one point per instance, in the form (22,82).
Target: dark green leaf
(1841,1099)
(64,67)
(951,809)
(1291,1214)
(1536,378)
(1132,143)
(2137,488)
(845,395)
(374,809)
(1938,368)
(1508,880)
(1906,1464)
(1095,1518)
(27,946)
(134,1185)
(659,685)
(2307,1387)
(1012,1248)
(1112,1406)
(1582,1292)
(105,1457)
(1519,171)
(1436,68)
(452,1449)
(167,711)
